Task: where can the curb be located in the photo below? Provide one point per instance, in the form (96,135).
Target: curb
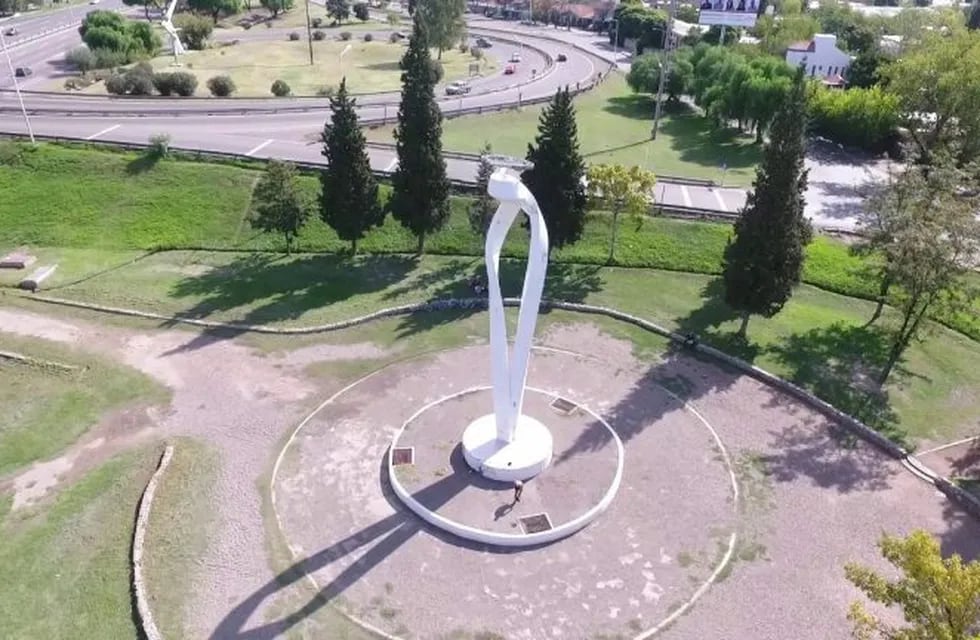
(964,499)
(149,627)
(38,362)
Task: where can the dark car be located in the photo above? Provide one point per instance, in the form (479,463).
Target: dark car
(12,31)
(23,72)
(483,43)
(562,57)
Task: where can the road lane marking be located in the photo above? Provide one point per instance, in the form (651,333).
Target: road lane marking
(103,132)
(391,165)
(686,195)
(259,147)
(721,202)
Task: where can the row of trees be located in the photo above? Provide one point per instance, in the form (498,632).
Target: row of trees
(114,40)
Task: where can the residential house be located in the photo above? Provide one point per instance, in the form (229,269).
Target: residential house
(821,58)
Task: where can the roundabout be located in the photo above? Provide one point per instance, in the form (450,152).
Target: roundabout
(627,572)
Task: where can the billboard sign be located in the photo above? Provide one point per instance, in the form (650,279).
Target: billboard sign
(731,13)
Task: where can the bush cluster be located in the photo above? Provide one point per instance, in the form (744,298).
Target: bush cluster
(319,35)
(194,30)
(368,37)
(345,35)
(864,118)
(280,89)
(221,86)
(294,35)
(180,83)
(121,40)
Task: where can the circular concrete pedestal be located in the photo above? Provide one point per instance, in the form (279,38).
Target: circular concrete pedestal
(521,459)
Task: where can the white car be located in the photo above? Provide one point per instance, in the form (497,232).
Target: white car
(457,88)
(515,57)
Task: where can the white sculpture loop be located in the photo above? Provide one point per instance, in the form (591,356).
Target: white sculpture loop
(507,445)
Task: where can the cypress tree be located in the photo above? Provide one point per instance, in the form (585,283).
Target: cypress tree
(556,179)
(348,190)
(420,196)
(764,261)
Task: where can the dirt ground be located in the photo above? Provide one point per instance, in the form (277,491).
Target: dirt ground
(807,505)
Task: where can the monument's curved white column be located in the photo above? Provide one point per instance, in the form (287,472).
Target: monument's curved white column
(507,445)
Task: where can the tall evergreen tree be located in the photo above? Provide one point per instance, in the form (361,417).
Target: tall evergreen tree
(420,195)
(556,179)
(483,206)
(348,191)
(764,261)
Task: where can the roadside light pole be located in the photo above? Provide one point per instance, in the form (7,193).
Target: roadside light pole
(309,32)
(664,67)
(20,98)
(615,22)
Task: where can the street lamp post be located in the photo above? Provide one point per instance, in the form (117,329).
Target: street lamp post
(615,22)
(20,98)
(664,67)
(309,32)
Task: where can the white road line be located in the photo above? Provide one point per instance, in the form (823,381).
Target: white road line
(103,132)
(391,165)
(686,195)
(258,148)
(720,200)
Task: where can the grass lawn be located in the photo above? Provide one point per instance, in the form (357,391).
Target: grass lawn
(614,126)
(47,408)
(254,65)
(177,536)
(66,561)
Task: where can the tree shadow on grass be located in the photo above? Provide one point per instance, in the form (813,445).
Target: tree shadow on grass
(705,322)
(839,364)
(698,142)
(564,282)
(142,163)
(271,287)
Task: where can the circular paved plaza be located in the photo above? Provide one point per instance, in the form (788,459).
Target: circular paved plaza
(669,527)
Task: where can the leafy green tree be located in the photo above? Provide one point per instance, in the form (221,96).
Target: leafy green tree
(637,21)
(348,189)
(443,22)
(275,7)
(763,262)
(393,19)
(644,73)
(215,8)
(865,69)
(973,16)
(556,177)
(361,11)
(939,597)
(620,189)
(483,206)
(938,88)
(279,206)
(420,193)
(339,10)
(82,58)
(928,253)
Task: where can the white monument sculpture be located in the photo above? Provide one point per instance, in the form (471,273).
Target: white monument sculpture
(168,26)
(507,445)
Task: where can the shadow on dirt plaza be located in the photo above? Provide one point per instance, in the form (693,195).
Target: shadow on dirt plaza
(285,287)
(467,278)
(705,322)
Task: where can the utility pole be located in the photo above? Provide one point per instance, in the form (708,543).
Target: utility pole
(664,67)
(20,98)
(309,32)
(616,42)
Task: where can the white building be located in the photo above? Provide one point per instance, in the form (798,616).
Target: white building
(821,57)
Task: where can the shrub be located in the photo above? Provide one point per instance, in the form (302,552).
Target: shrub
(108,59)
(81,58)
(159,145)
(319,35)
(326,91)
(194,30)
(361,12)
(280,89)
(116,84)
(436,70)
(221,86)
(139,80)
(184,84)
(294,35)
(345,35)
(865,118)
(368,37)
(317,23)
(476,52)
(393,37)
(164,83)
(464,47)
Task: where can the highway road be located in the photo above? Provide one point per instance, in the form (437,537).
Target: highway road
(288,128)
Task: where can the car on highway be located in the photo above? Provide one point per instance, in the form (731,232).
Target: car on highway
(11,32)
(562,57)
(515,57)
(457,88)
(23,72)
(483,43)
(510,70)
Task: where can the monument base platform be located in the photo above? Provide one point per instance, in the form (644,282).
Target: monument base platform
(521,459)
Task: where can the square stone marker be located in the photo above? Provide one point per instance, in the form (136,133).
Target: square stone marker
(536,523)
(17,260)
